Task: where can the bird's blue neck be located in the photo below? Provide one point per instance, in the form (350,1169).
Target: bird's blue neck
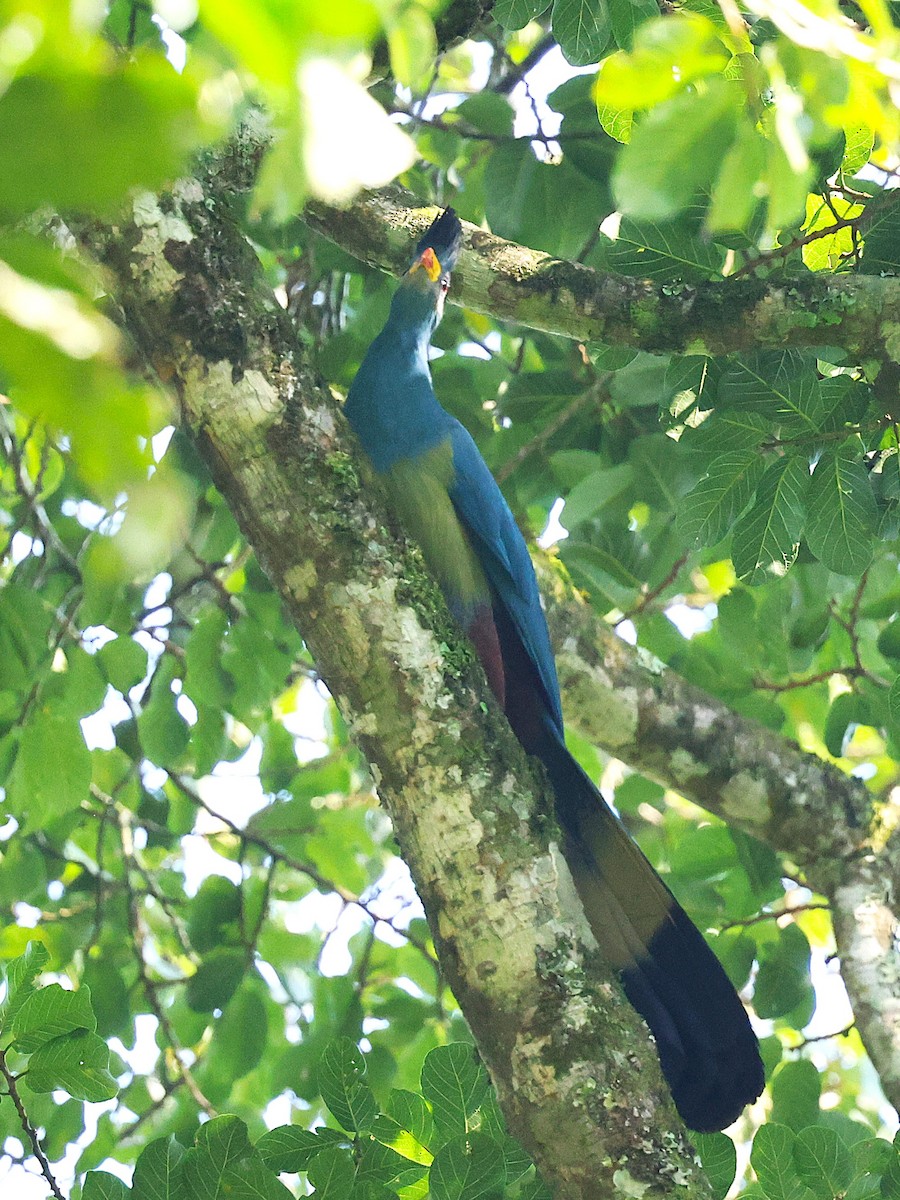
(392,405)
(413,318)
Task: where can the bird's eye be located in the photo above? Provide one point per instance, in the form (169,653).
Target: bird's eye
(445,284)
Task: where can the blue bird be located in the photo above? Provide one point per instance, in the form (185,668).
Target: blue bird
(443,492)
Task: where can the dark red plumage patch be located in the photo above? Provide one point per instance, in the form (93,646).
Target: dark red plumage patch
(511,674)
(483,633)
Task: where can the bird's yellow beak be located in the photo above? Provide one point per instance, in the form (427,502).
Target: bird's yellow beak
(430,263)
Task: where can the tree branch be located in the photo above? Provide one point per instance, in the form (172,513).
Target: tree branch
(637,710)
(31,1133)
(573,1065)
(534,289)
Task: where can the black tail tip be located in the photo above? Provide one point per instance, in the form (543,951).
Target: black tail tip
(444,236)
(716,1101)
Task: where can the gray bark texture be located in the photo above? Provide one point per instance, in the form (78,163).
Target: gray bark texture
(858,312)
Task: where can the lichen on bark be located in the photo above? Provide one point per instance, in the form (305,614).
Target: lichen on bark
(470,812)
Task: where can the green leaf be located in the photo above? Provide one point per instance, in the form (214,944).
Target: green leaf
(516,1160)
(786,184)
(766,539)
(331,1173)
(289,1148)
(894,702)
(100,1185)
(708,512)
(43,787)
(778,384)
(727,429)
(467,1168)
(736,951)
(796,1087)
(20,976)
(413,46)
(666,56)
(222,1165)
(488,112)
(617,122)
(782,983)
(341,1077)
(389,1132)
(79,139)
(675,152)
(881,239)
(890,1179)
(126,26)
(668,251)
(411,1113)
(124,663)
(582,29)
(823,1162)
(585,145)
(164,733)
(625,17)
(77,1062)
(543,205)
(454,1083)
(157,1172)
(858,143)
(594,492)
(206,681)
(240,1036)
(214,914)
(772,1160)
(49,1013)
(381,1166)
(515,14)
(734,195)
(719,1159)
(846,709)
(216,979)
(842,514)
(80,689)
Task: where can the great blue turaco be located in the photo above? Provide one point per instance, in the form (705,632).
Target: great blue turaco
(444,494)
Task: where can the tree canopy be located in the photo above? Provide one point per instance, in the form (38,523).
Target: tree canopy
(675,328)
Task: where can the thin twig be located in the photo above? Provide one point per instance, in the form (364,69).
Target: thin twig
(519,70)
(824,1037)
(30,1131)
(769,685)
(322,882)
(776,914)
(137,937)
(596,392)
(654,593)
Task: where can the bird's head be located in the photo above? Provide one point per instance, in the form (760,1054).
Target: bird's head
(427,281)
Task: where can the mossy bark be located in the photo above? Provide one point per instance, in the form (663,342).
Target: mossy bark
(566,1052)
(575,1069)
(857,312)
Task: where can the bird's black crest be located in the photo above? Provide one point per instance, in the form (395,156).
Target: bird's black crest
(444,236)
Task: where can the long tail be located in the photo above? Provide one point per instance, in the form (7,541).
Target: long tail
(708,1052)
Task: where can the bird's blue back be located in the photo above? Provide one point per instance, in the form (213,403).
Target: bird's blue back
(397,417)
(443,492)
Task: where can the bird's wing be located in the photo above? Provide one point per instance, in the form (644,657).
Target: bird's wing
(504,557)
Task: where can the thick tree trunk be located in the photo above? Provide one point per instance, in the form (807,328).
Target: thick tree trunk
(574,1067)
(470,812)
